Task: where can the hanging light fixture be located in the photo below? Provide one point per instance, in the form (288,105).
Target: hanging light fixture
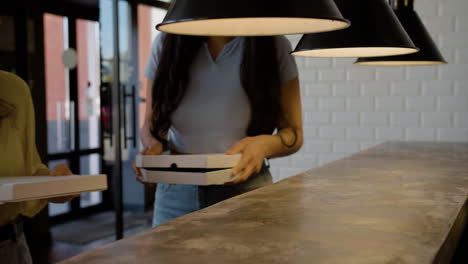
(375,31)
(429,54)
(251,17)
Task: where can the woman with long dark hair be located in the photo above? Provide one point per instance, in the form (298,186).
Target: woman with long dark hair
(220,95)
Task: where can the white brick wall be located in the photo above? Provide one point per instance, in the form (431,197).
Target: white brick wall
(348,108)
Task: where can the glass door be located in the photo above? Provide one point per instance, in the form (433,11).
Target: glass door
(120,53)
(127,32)
(89,104)
(72,71)
(132,191)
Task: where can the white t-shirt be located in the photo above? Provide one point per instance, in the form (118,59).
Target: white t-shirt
(215,113)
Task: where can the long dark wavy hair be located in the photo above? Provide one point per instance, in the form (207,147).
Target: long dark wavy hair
(259,72)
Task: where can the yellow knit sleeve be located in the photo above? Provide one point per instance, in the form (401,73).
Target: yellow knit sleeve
(18,153)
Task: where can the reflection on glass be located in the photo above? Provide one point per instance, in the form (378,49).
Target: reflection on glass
(57,84)
(126,69)
(89,82)
(107,53)
(90,165)
(148,18)
(58,209)
(105,20)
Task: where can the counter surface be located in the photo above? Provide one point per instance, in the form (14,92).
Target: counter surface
(395,203)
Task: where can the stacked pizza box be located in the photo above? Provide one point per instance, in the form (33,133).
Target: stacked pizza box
(206,169)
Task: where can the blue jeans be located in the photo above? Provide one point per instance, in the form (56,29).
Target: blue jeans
(175,200)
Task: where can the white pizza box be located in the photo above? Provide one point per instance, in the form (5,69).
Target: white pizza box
(203,161)
(211,177)
(17,189)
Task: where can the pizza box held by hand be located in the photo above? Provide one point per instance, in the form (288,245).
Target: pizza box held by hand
(24,188)
(204,169)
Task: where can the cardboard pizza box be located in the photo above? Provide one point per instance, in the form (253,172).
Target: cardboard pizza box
(202,178)
(203,169)
(17,189)
(203,161)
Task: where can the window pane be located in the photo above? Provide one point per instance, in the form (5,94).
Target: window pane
(90,165)
(126,69)
(89,82)
(58,209)
(105,19)
(107,53)
(57,84)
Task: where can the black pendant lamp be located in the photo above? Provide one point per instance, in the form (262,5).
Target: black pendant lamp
(251,17)
(374,31)
(429,54)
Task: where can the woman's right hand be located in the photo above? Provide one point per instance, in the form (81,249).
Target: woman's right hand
(62,170)
(156,148)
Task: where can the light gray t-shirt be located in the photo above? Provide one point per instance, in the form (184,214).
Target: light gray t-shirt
(215,113)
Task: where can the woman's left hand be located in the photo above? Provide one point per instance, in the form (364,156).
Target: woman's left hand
(62,170)
(254,152)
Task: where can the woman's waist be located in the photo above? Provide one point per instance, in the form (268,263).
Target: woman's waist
(205,144)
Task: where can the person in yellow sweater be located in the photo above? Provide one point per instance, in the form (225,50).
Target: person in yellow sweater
(19,157)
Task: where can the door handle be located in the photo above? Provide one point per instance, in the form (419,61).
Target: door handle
(124,106)
(134,115)
(72,125)
(107,91)
(132,96)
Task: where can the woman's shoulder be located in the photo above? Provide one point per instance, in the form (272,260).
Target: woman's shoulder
(13,88)
(4,75)
(159,38)
(288,67)
(283,42)
(8,78)
(158,44)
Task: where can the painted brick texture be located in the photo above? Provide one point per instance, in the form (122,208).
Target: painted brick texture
(347,108)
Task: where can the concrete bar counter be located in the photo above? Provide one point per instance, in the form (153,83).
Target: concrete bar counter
(395,203)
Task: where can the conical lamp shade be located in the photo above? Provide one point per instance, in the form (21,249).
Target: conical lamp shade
(375,31)
(251,17)
(429,54)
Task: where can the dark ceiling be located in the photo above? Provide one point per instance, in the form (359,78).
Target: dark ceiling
(87,3)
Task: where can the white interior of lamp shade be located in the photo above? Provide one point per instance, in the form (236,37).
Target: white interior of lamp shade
(356,52)
(400,63)
(264,26)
